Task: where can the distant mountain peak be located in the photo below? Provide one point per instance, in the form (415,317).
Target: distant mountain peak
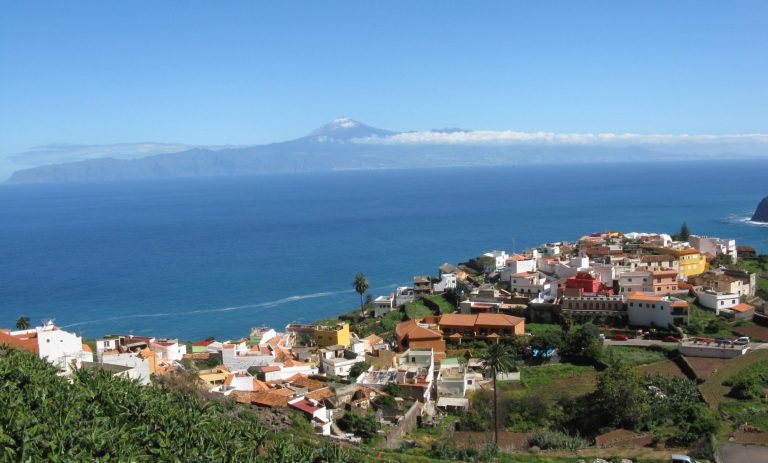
(343,129)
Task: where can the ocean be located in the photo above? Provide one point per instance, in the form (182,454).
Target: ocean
(192,258)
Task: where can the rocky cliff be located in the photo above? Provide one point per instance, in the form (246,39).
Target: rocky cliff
(761,214)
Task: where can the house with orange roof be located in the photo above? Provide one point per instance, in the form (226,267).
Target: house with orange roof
(742,311)
(61,348)
(656,311)
(269,399)
(414,334)
(489,326)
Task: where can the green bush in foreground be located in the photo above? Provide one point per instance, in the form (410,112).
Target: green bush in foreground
(554,440)
(99,418)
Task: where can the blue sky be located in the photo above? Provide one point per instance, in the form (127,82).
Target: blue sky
(95,72)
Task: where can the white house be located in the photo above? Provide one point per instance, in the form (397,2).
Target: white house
(572,267)
(240,357)
(281,372)
(168,349)
(454,380)
(529,284)
(337,361)
(447,281)
(415,372)
(404,295)
(140,366)
(518,264)
(550,249)
(316,412)
(714,246)
(639,281)
(717,301)
(382,305)
(605,273)
(656,311)
(60,348)
(499,258)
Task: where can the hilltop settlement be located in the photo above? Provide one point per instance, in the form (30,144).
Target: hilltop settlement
(615,344)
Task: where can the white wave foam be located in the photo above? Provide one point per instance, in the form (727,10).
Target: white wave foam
(261,305)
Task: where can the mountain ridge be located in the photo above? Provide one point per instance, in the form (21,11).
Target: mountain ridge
(342,144)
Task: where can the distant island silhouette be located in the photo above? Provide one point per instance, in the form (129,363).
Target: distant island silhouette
(761,214)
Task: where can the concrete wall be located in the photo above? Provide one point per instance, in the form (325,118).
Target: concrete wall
(692,350)
(393,438)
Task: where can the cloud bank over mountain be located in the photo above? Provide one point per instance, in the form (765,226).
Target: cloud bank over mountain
(346,144)
(471,137)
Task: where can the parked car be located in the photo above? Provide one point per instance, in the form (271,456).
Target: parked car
(620,337)
(742,341)
(671,339)
(677,458)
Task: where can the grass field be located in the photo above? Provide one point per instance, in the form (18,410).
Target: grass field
(632,356)
(417,309)
(666,368)
(556,379)
(713,390)
(754,412)
(445,306)
(541,328)
(706,367)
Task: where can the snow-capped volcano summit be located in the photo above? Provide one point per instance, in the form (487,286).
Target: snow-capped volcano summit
(345,129)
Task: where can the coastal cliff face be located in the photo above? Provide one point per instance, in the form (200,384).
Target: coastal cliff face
(761,214)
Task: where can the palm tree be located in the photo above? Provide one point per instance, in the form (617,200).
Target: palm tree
(499,358)
(361,286)
(22,322)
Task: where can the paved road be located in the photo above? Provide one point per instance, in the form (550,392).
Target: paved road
(638,343)
(740,453)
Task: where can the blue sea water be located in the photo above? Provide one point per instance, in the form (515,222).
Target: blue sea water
(212,257)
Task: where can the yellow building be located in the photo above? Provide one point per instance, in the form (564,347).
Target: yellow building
(692,262)
(333,335)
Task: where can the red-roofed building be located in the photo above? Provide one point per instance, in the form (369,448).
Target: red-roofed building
(584,281)
(319,416)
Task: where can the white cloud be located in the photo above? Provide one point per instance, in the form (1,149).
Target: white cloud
(509,137)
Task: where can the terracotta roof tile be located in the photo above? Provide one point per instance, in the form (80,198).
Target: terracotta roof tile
(743,307)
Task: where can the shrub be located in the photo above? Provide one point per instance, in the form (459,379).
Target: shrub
(556,440)
(363,426)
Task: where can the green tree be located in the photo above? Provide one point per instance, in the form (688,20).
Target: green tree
(499,358)
(620,397)
(684,234)
(22,322)
(357,369)
(583,344)
(566,321)
(361,286)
